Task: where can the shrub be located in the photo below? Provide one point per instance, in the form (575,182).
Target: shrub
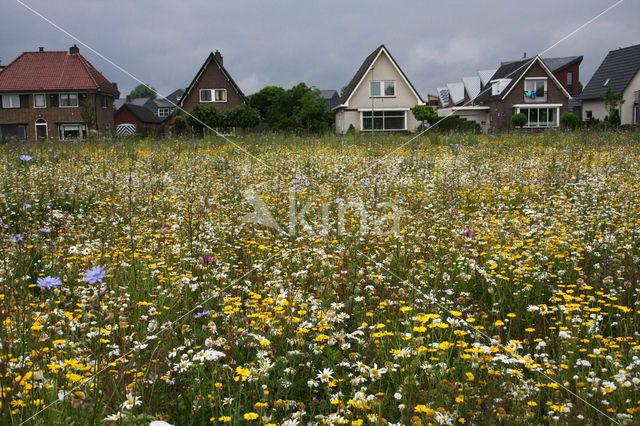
(569,120)
(179,127)
(518,120)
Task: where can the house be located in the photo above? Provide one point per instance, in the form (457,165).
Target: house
(621,70)
(55,94)
(212,86)
(527,87)
(378,90)
(165,106)
(331,97)
(139,117)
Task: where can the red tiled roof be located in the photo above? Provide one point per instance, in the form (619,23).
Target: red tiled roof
(53,71)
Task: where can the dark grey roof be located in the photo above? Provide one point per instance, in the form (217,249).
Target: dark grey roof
(512,70)
(558,64)
(329,94)
(366,65)
(619,67)
(171,100)
(144,114)
(117,104)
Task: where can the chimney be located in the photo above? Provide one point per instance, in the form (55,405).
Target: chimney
(40,49)
(524,56)
(218,56)
(74,50)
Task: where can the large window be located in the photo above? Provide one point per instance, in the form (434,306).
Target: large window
(540,116)
(163,112)
(10,101)
(213,95)
(13,131)
(68,100)
(39,101)
(384,120)
(535,90)
(382,89)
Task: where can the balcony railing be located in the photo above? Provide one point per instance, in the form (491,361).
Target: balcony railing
(534,98)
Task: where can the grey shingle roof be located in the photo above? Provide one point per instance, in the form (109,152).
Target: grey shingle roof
(558,64)
(620,66)
(512,70)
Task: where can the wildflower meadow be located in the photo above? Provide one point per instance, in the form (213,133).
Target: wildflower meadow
(460,279)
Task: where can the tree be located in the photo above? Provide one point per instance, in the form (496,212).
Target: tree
(202,116)
(179,127)
(425,113)
(612,103)
(143,91)
(242,116)
(264,100)
(518,120)
(569,120)
(88,110)
(310,112)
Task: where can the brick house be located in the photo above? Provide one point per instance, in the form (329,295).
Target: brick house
(527,87)
(213,86)
(144,119)
(53,95)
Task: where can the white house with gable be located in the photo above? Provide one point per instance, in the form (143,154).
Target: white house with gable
(379,97)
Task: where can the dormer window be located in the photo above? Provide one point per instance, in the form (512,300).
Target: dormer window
(382,89)
(497,86)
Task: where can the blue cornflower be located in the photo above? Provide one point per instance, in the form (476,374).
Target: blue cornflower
(25,157)
(48,282)
(201,314)
(94,275)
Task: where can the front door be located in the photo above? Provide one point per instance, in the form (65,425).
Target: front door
(41,129)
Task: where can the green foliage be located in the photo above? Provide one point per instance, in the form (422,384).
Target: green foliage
(143,91)
(612,102)
(569,120)
(351,131)
(453,123)
(179,127)
(295,109)
(242,116)
(425,113)
(518,120)
(88,110)
(202,116)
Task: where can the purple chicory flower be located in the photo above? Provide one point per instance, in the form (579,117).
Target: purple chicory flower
(201,314)
(468,233)
(94,275)
(45,230)
(207,259)
(25,157)
(49,283)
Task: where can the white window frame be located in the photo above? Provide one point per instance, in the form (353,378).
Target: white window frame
(163,112)
(68,96)
(383,111)
(519,108)
(44,99)
(382,84)
(535,80)
(12,101)
(209,91)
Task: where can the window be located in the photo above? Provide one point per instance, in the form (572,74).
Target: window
(588,114)
(72,131)
(570,82)
(636,114)
(205,95)
(163,112)
(535,90)
(213,95)
(540,116)
(384,120)
(39,101)
(103,101)
(13,131)
(10,101)
(69,100)
(382,89)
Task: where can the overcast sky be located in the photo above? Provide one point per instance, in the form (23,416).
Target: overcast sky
(322,43)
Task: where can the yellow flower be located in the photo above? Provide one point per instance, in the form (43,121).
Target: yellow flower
(424,409)
(499,323)
(250,416)
(470,376)
(223,419)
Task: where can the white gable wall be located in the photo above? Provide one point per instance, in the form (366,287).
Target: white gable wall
(404,99)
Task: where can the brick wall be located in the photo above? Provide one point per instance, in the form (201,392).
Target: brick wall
(213,78)
(52,114)
(502,111)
